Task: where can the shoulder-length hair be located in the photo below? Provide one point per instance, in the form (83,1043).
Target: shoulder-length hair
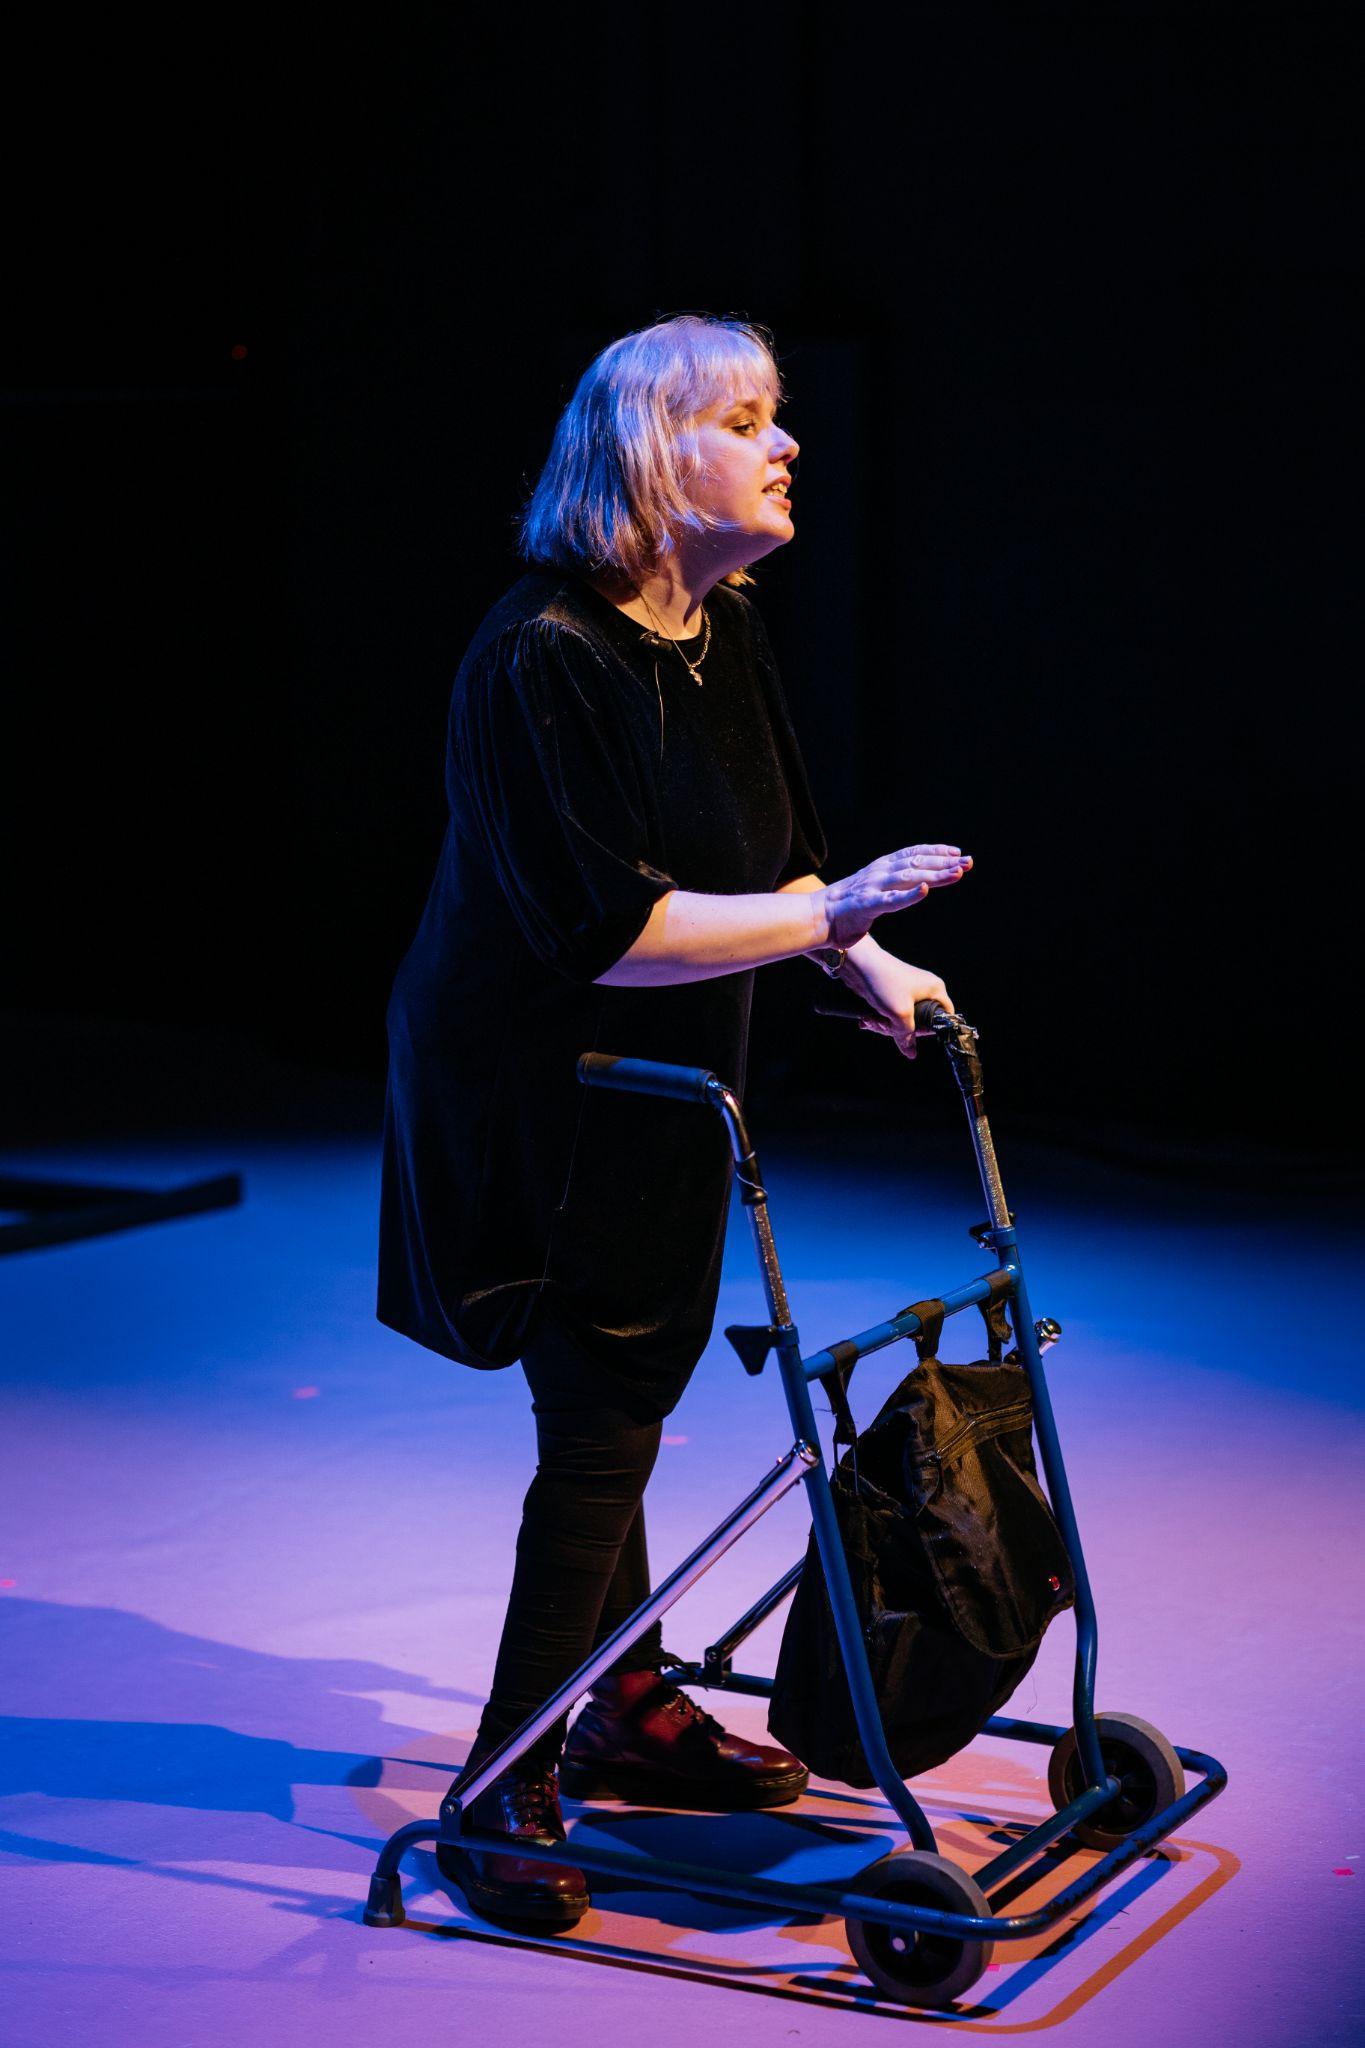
(611,497)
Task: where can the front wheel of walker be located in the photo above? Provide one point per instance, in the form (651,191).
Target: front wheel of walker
(1139,1756)
(930,1970)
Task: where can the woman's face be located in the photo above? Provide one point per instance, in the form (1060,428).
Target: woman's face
(743,475)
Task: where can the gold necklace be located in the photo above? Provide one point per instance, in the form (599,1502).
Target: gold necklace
(693,667)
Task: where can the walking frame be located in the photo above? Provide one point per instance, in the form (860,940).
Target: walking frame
(922,1929)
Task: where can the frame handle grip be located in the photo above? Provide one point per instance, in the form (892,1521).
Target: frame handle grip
(645,1077)
(855,1009)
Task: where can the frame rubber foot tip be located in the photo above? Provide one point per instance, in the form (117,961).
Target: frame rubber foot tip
(384,1906)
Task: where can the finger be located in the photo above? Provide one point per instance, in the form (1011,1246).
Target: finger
(899,893)
(938,870)
(932,863)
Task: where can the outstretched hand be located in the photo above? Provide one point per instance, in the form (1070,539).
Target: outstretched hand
(892,882)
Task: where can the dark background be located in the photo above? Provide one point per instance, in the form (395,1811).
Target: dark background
(1067,301)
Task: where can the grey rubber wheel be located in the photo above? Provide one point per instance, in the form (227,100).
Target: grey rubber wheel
(919,1969)
(1139,1756)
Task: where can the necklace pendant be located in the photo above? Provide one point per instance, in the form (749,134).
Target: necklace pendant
(693,668)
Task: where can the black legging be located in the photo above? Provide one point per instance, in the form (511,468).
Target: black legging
(582,1566)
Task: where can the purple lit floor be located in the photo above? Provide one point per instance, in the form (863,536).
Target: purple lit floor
(255,1552)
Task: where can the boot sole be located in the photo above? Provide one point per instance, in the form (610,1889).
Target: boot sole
(491,1903)
(643,1786)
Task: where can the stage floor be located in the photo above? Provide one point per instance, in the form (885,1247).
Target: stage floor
(256,1549)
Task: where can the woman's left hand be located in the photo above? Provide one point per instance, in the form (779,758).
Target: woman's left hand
(894,987)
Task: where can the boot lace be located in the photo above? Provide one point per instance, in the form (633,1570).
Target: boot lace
(533,1801)
(685,1708)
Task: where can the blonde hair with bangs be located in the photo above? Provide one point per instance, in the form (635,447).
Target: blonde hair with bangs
(612,495)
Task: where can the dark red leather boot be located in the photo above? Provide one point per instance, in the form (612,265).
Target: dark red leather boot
(641,1739)
(522,1804)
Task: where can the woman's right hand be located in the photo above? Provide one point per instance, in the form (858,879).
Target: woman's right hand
(893,882)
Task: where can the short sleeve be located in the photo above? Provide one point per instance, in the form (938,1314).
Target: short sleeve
(545,753)
(809,850)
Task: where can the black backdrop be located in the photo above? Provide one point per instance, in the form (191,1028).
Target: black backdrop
(1067,300)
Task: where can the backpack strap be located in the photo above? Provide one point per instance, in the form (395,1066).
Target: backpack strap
(931,1314)
(835,1383)
(993,1315)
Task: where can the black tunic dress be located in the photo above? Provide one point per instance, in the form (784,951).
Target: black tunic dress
(587,775)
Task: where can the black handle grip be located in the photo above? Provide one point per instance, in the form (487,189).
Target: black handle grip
(644,1077)
(853,1007)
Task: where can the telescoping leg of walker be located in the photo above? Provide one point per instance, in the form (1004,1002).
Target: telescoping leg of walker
(920,1927)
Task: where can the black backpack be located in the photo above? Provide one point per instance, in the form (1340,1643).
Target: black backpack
(957,1564)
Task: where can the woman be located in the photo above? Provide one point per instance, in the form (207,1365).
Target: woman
(631,834)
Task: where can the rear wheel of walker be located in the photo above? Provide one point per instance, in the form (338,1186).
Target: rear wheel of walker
(917,1968)
(1139,1756)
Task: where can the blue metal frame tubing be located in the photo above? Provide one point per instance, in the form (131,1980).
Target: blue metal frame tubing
(805,1464)
(385,1908)
(1059,1492)
(703,1881)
